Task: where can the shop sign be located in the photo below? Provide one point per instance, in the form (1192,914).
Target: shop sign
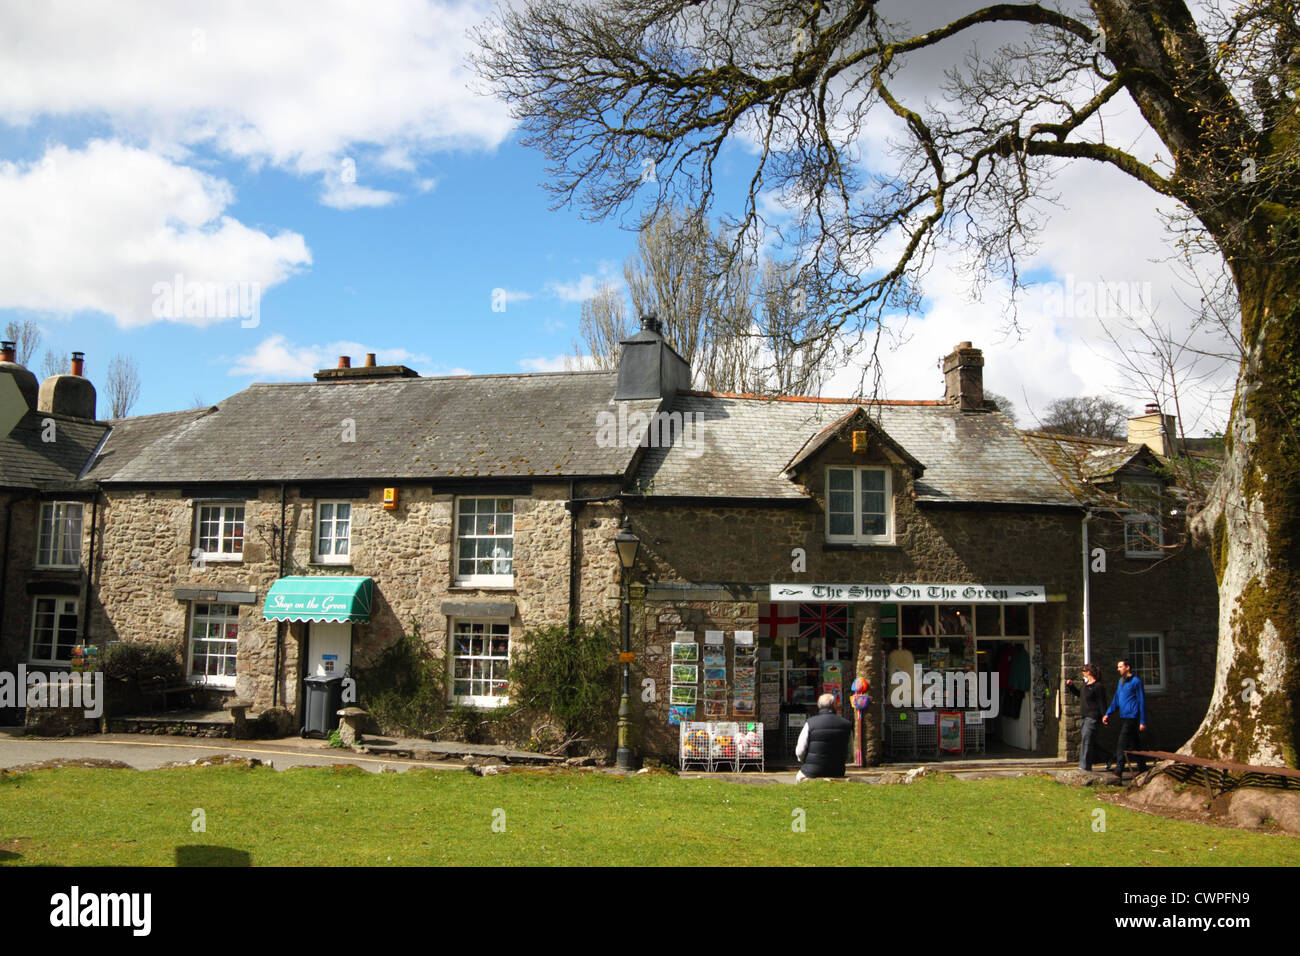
(913,593)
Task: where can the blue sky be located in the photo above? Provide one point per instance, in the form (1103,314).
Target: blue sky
(341,164)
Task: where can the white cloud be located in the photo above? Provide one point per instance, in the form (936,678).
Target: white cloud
(341,195)
(275,358)
(266,82)
(586,285)
(95,229)
(557,363)
(1109,238)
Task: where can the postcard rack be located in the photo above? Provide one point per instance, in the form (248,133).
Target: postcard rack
(718,745)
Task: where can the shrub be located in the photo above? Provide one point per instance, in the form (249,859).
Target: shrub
(405,687)
(141,661)
(570,678)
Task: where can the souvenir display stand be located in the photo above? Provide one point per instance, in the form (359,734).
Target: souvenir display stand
(716,745)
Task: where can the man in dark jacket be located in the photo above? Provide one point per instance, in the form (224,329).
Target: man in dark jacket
(823,743)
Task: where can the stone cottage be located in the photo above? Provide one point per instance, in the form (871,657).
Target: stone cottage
(797,543)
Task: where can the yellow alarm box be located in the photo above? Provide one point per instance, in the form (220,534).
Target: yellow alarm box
(390,499)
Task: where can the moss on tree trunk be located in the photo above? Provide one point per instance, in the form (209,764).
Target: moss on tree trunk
(1254,530)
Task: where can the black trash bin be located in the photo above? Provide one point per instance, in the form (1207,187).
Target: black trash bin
(323,696)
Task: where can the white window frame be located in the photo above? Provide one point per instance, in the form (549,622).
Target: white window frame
(498,579)
(1134,518)
(223,507)
(60,605)
(1160,653)
(51,534)
(856,537)
(192,619)
(320,557)
(454,630)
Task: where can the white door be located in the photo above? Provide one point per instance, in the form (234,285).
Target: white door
(1020,732)
(329,649)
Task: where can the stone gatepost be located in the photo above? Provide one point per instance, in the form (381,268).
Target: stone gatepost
(869,665)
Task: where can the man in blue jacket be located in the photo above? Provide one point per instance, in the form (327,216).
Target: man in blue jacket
(1130,702)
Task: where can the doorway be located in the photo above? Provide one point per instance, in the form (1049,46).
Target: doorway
(329,649)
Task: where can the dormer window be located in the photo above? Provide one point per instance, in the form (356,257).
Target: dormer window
(859,506)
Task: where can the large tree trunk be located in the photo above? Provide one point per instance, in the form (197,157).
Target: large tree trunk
(1252,525)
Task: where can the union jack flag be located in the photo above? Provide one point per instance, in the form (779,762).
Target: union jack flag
(823,620)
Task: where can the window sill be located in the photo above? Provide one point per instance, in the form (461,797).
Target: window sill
(1144,555)
(329,564)
(485,705)
(856,546)
(483,587)
(56,567)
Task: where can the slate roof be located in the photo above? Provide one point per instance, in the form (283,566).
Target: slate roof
(129,438)
(411,428)
(745,442)
(29,463)
(1083,462)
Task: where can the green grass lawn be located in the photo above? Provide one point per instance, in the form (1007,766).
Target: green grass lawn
(347,816)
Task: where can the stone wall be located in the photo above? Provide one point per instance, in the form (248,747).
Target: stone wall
(744,549)
(1175,596)
(16,619)
(148,537)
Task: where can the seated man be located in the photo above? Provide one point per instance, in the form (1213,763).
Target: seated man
(823,743)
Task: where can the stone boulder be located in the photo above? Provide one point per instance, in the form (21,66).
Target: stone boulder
(1253,807)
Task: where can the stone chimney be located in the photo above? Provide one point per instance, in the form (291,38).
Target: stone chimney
(1158,432)
(71,394)
(963,378)
(368,372)
(24,379)
(648,367)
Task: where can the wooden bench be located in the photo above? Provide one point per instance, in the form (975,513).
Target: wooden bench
(1228,774)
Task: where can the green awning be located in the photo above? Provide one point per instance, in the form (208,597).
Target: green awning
(319,597)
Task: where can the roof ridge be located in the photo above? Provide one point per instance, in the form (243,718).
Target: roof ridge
(1086,439)
(436,378)
(815,399)
(179,411)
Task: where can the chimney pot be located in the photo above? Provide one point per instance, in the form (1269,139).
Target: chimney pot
(650,323)
(1153,408)
(78,363)
(370,360)
(7,351)
(345,361)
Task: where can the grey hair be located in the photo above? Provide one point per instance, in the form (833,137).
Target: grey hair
(825,701)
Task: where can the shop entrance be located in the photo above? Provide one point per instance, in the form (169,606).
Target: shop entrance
(329,649)
(938,675)
(804,651)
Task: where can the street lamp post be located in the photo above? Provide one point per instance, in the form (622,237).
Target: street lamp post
(627,544)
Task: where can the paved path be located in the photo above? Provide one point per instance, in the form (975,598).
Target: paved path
(150,752)
(147,752)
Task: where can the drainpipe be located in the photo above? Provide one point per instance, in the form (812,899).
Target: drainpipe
(1087,594)
(279,625)
(573,556)
(4,567)
(90,568)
